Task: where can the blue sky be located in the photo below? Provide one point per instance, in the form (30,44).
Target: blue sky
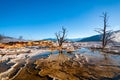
(38,19)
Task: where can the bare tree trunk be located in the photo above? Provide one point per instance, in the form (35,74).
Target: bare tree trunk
(106,34)
(61,35)
(104,30)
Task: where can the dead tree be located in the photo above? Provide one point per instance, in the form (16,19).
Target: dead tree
(61,35)
(106,34)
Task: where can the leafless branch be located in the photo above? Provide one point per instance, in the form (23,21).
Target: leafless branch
(106,34)
(61,35)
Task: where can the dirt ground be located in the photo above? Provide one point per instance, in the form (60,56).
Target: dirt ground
(61,67)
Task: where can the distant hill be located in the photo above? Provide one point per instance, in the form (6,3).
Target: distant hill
(6,39)
(73,39)
(115,34)
(91,38)
(51,39)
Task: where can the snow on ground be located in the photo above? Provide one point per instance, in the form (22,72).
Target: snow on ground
(18,54)
(18,59)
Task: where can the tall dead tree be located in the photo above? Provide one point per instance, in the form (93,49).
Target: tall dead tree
(106,34)
(61,35)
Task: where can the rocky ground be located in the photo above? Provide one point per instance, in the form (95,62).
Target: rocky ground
(62,67)
(40,64)
(12,62)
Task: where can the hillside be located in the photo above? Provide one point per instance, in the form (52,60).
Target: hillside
(91,38)
(115,34)
(6,39)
